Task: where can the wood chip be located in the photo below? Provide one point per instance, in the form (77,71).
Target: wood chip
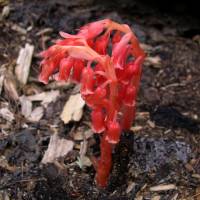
(6,114)
(73,109)
(10,86)
(57,148)
(44,31)
(4,164)
(146,47)
(2,76)
(50,97)
(1,82)
(18,29)
(151,124)
(83,160)
(175,196)
(58,85)
(36,114)
(5,12)
(163,188)
(196,176)
(45,97)
(136,128)
(153,61)
(157,197)
(130,187)
(23,63)
(26,106)
(80,135)
(189,167)
(139,198)
(197,195)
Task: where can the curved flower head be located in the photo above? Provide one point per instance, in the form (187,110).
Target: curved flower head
(105,58)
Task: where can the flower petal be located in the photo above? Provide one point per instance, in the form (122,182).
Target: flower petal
(98,117)
(66,65)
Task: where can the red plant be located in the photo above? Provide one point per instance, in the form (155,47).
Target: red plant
(105,57)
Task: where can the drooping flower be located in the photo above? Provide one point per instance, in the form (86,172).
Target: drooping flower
(66,65)
(105,58)
(87,82)
(77,70)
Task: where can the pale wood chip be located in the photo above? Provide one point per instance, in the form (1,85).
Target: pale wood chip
(157,197)
(140,197)
(151,124)
(175,196)
(73,109)
(78,136)
(5,12)
(57,148)
(26,106)
(36,114)
(19,29)
(50,97)
(4,164)
(153,61)
(142,115)
(44,31)
(197,195)
(189,167)
(58,85)
(45,97)
(1,82)
(196,176)
(130,187)
(10,87)
(23,63)
(6,114)
(81,134)
(83,160)
(136,128)
(163,188)
(146,47)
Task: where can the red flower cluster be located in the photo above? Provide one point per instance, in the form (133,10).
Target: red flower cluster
(105,57)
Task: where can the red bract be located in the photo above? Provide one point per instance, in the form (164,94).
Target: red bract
(106,59)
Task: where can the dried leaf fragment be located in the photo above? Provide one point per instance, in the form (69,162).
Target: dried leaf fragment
(73,109)
(57,148)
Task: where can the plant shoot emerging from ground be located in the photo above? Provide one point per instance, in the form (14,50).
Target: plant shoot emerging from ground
(105,58)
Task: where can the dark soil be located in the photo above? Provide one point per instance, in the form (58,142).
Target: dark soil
(163,145)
